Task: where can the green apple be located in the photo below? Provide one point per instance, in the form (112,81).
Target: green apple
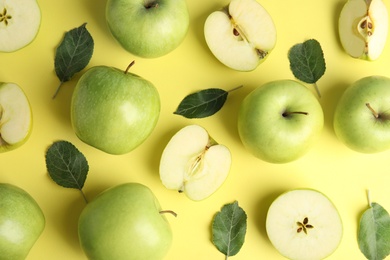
(241,35)
(148,28)
(304,224)
(21,222)
(362,116)
(15,117)
(114,110)
(125,222)
(19,24)
(363,28)
(279,121)
(194,163)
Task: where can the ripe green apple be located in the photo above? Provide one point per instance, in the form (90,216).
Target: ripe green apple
(15,117)
(279,121)
(148,28)
(362,116)
(125,222)
(304,224)
(113,110)
(21,222)
(19,24)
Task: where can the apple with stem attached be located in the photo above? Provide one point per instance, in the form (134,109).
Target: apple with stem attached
(240,35)
(362,116)
(194,163)
(279,121)
(21,222)
(19,24)
(304,224)
(125,222)
(363,28)
(114,110)
(15,117)
(148,28)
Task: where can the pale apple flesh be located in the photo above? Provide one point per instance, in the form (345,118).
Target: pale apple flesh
(304,224)
(194,163)
(363,28)
(241,35)
(15,116)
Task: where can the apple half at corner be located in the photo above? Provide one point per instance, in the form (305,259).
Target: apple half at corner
(241,35)
(193,163)
(15,117)
(304,224)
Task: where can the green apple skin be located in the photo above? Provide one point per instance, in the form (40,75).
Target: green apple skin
(355,124)
(21,222)
(271,135)
(125,222)
(150,28)
(113,110)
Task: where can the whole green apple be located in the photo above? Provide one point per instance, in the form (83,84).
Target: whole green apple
(113,110)
(125,222)
(21,222)
(362,116)
(279,121)
(148,28)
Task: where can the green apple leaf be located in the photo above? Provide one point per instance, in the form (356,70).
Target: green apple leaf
(307,62)
(73,54)
(229,229)
(66,165)
(203,103)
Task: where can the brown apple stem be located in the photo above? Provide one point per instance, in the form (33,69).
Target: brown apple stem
(285,114)
(376,115)
(128,67)
(168,211)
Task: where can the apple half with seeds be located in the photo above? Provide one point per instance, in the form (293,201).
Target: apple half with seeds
(194,163)
(304,224)
(241,35)
(363,28)
(15,117)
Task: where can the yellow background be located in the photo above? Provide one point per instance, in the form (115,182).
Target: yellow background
(342,174)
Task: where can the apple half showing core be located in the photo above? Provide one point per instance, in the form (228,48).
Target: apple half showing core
(241,35)
(15,117)
(304,224)
(193,163)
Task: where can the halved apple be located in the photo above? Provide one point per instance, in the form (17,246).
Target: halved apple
(15,117)
(193,163)
(363,28)
(19,23)
(240,35)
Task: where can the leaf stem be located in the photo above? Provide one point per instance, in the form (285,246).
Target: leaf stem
(235,88)
(317,89)
(369,198)
(58,90)
(84,197)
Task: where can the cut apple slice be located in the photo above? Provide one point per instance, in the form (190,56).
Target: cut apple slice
(19,23)
(15,117)
(363,28)
(193,163)
(240,35)
(304,224)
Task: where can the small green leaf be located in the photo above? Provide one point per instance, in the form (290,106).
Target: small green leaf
(229,229)
(203,103)
(73,54)
(307,62)
(374,232)
(66,165)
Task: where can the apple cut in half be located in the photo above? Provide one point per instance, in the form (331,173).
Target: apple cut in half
(304,224)
(240,35)
(363,28)
(15,117)
(193,163)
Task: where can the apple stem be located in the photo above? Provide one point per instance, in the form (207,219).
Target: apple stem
(376,115)
(317,90)
(57,90)
(168,211)
(128,67)
(286,113)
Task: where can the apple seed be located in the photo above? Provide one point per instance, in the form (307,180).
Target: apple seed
(4,17)
(304,225)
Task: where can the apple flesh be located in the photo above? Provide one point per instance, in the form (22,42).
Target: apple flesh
(304,224)
(15,117)
(363,28)
(21,222)
(125,222)
(19,24)
(241,35)
(193,163)
(362,118)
